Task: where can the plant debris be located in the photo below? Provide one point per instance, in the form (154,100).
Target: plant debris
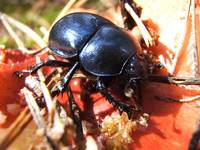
(118,130)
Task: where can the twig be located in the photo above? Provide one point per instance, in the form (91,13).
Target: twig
(16,129)
(145,34)
(61,14)
(67,7)
(44,89)
(56,125)
(19,125)
(173,80)
(27,30)
(80,3)
(19,43)
(182,100)
(34,109)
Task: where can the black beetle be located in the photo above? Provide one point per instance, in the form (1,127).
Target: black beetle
(99,48)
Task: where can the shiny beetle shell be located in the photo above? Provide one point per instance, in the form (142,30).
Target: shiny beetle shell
(102,48)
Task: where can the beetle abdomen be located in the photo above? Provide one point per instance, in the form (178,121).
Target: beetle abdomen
(69,35)
(107,51)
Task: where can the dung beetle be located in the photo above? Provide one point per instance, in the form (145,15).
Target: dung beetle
(101,50)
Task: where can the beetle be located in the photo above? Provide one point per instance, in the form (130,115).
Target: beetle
(100,49)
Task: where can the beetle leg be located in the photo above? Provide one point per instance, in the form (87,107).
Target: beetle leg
(62,84)
(33,69)
(122,107)
(75,114)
